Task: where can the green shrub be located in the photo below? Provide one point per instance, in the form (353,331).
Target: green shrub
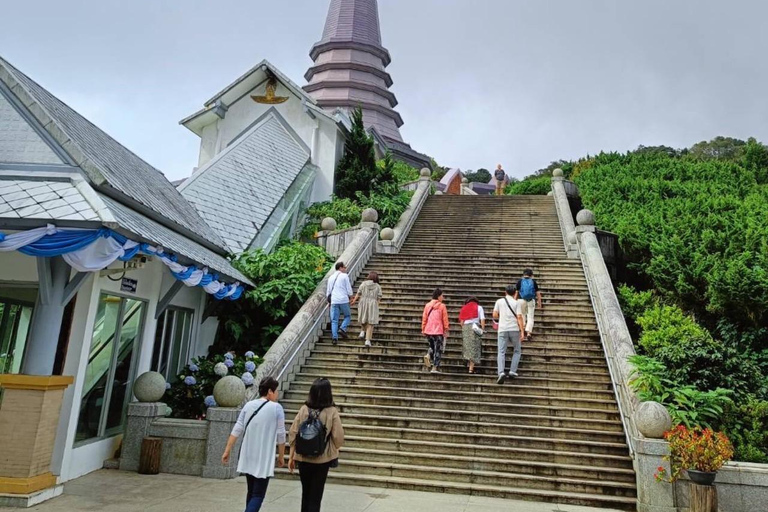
(479,176)
(284,280)
(389,207)
(357,169)
(747,426)
(686,404)
(401,172)
(537,186)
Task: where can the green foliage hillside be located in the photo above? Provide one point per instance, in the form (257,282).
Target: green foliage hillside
(693,227)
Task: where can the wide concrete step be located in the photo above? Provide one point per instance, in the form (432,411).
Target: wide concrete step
(489,343)
(517,386)
(454,350)
(463,379)
(516,466)
(453,365)
(354,478)
(544,371)
(516,417)
(504,429)
(484,477)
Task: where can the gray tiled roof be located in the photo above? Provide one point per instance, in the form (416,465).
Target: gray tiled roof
(111,163)
(19,142)
(55,200)
(238,190)
(155,233)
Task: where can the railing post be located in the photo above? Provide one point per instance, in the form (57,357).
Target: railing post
(567,227)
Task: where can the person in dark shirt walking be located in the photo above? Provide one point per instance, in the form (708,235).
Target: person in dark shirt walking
(528,292)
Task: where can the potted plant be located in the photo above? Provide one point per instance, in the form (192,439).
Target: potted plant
(699,452)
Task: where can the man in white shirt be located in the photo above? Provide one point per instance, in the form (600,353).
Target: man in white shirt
(511,330)
(339,293)
(261,424)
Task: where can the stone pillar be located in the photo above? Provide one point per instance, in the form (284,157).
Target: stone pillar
(29,417)
(653,496)
(45,327)
(139,419)
(221,420)
(564,215)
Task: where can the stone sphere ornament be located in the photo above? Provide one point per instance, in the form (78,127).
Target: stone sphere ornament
(652,420)
(550,193)
(370,215)
(557,173)
(464,180)
(149,387)
(387,234)
(425,173)
(585,218)
(229,391)
(328,224)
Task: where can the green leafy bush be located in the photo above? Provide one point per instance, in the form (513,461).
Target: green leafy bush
(284,280)
(479,176)
(686,404)
(746,424)
(537,186)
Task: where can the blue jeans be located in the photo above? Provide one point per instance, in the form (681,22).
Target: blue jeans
(257,490)
(336,311)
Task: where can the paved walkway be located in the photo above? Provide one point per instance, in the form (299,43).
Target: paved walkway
(118,491)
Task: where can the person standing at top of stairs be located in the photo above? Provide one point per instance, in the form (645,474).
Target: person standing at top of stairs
(434,325)
(339,292)
(528,292)
(501,180)
(511,330)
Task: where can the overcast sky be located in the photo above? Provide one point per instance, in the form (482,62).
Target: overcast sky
(479,81)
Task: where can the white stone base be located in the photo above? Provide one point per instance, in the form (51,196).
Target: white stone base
(30,500)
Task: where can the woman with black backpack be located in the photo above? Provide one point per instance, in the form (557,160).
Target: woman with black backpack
(315,438)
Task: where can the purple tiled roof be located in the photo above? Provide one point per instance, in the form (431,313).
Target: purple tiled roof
(353,20)
(356,77)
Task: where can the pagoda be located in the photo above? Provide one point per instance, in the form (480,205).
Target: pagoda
(350,70)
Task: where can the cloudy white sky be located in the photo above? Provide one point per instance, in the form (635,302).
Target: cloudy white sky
(520,82)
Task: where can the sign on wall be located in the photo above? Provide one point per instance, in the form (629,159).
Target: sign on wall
(129,285)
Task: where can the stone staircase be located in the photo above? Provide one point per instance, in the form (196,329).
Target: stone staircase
(552,434)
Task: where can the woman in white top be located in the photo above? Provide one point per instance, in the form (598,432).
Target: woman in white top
(472,320)
(261,424)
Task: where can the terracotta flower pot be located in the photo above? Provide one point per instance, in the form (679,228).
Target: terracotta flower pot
(702,477)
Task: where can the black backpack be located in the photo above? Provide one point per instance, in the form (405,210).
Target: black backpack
(312,437)
(499,174)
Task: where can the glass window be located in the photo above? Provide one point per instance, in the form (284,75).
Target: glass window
(111,361)
(14,328)
(173,340)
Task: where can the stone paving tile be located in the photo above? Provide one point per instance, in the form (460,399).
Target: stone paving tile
(119,491)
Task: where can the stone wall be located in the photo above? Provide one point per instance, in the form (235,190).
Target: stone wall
(190,447)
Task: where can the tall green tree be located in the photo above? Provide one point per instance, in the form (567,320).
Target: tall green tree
(356,171)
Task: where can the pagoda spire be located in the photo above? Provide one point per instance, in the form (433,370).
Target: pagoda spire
(350,66)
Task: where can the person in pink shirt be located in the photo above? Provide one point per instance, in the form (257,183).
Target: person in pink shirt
(434,325)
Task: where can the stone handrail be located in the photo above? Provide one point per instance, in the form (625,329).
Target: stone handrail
(614,334)
(293,345)
(403,227)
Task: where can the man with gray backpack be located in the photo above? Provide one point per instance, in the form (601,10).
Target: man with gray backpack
(528,292)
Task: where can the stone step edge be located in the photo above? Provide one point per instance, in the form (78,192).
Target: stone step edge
(491,474)
(531,463)
(461,488)
(292,412)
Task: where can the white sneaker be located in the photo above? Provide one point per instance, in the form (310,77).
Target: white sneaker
(367,343)
(436,370)
(513,374)
(362,335)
